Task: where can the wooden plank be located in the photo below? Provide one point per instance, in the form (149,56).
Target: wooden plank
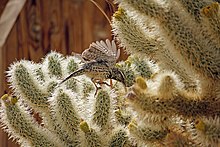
(102,29)
(8,18)
(88,23)
(74,27)
(55,28)
(11,53)
(12,143)
(64,28)
(4,139)
(2,5)
(3,136)
(22,34)
(35,44)
(2,66)
(44,22)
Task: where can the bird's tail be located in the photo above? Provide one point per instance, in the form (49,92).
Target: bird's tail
(74,74)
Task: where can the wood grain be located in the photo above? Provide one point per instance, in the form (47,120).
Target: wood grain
(2,5)
(45,25)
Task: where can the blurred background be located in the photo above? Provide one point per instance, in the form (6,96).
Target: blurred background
(32,28)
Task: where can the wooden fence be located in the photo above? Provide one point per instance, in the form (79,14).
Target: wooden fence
(43,25)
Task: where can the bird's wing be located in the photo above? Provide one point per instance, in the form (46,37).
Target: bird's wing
(100,50)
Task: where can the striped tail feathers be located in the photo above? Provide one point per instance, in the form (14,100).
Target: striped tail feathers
(74,74)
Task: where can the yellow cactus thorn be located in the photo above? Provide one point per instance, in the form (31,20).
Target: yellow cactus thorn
(84,126)
(132,125)
(7,99)
(199,125)
(4,97)
(118,112)
(128,62)
(118,13)
(211,10)
(141,82)
(13,100)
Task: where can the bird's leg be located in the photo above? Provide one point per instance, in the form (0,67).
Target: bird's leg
(111,84)
(96,87)
(102,82)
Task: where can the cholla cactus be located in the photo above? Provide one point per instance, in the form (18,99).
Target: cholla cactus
(71,114)
(173,75)
(181,103)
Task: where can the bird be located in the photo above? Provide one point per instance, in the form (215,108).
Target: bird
(99,63)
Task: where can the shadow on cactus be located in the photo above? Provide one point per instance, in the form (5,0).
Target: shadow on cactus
(172,93)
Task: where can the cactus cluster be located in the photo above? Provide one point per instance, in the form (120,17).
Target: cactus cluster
(172,76)
(71,114)
(180,103)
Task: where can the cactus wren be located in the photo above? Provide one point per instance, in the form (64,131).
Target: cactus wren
(99,63)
